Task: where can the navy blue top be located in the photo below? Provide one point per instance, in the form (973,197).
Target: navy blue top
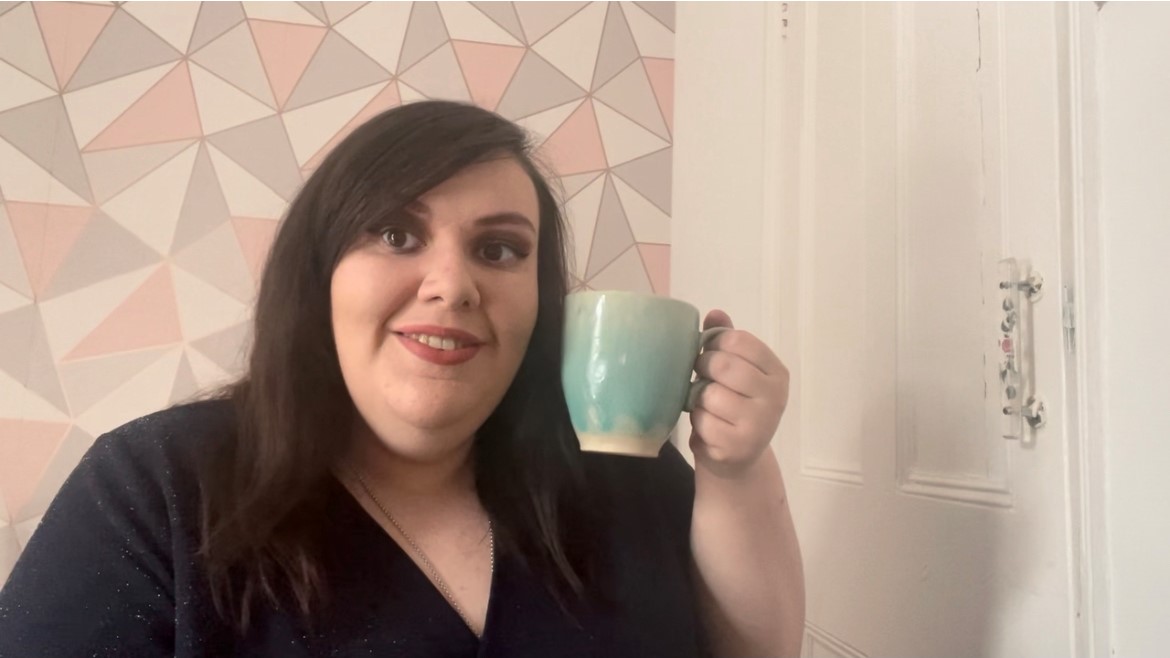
(111,570)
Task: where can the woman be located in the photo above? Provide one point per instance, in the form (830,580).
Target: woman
(397,475)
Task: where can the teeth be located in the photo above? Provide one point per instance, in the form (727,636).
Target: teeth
(436,342)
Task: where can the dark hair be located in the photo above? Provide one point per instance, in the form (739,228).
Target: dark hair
(262,495)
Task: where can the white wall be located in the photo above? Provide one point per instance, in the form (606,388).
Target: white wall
(1134,105)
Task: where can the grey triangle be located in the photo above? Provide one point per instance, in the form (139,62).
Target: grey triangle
(438,76)
(337,10)
(650,176)
(214,19)
(629,93)
(612,235)
(425,32)
(577,182)
(105,249)
(25,355)
(227,348)
(88,381)
(504,15)
(185,386)
(536,86)
(663,12)
(626,272)
(233,57)
(337,67)
(317,9)
(125,46)
(204,206)
(22,51)
(12,272)
(217,260)
(42,131)
(5,7)
(76,443)
(618,48)
(112,171)
(262,148)
(540,18)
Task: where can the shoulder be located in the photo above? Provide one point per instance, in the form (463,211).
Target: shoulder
(660,485)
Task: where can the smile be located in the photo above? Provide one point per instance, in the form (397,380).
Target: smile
(436,342)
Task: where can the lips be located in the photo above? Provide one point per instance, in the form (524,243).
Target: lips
(428,342)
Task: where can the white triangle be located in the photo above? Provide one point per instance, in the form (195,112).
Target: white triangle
(378,29)
(647,221)
(572,47)
(623,139)
(466,23)
(408,94)
(92,109)
(203,308)
(222,105)
(11,300)
(150,208)
(16,401)
(284,12)
(543,124)
(311,127)
(173,21)
(207,374)
(581,214)
(19,88)
(24,180)
(653,38)
(246,196)
(71,317)
(145,392)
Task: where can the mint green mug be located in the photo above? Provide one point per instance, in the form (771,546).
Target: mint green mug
(627,368)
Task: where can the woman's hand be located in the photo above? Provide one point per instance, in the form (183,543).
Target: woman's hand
(736,414)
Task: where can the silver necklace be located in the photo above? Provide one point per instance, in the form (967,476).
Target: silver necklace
(442,584)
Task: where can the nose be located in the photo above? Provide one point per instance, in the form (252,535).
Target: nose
(449,280)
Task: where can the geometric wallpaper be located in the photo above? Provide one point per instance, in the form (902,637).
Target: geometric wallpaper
(148,150)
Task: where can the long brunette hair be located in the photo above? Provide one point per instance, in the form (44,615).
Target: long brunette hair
(263,512)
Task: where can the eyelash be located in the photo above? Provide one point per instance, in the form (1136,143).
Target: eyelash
(521,251)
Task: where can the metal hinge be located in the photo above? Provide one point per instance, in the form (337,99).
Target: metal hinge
(1068,314)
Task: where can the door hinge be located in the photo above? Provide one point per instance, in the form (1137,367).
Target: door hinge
(1068,315)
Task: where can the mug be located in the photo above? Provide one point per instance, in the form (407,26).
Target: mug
(627,368)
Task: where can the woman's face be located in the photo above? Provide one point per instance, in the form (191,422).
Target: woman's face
(432,316)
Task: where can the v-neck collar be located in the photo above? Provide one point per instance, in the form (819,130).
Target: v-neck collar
(385,542)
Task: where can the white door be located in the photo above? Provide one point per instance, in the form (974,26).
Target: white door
(915,146)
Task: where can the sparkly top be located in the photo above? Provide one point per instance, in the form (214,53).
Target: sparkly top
(112,570)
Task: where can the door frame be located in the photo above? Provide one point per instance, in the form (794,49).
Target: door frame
(1081,262)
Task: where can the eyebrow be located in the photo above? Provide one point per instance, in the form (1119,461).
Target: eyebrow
(506,218)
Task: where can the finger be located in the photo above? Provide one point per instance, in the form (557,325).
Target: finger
(724,403)
(750,348)
(732,371)
(717,318)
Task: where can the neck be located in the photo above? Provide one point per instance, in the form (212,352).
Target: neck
(449,474)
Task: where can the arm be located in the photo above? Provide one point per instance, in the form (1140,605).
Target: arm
(96,577)
(747,562)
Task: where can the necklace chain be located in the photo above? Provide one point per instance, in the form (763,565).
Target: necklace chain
(442,584)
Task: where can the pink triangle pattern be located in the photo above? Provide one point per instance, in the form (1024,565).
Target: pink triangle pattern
(656,259)
(285,50)
(384,100)
(487,68)
(45,234)
(165,113)
(576,145)
(149,317)
(255,236)
(69,29)
(661,74)
(26,447)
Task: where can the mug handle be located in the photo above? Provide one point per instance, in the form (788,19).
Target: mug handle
(697,386)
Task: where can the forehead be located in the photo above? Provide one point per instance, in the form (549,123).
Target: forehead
(494,186)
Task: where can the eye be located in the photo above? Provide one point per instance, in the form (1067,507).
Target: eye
(502,253)
(398,238)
